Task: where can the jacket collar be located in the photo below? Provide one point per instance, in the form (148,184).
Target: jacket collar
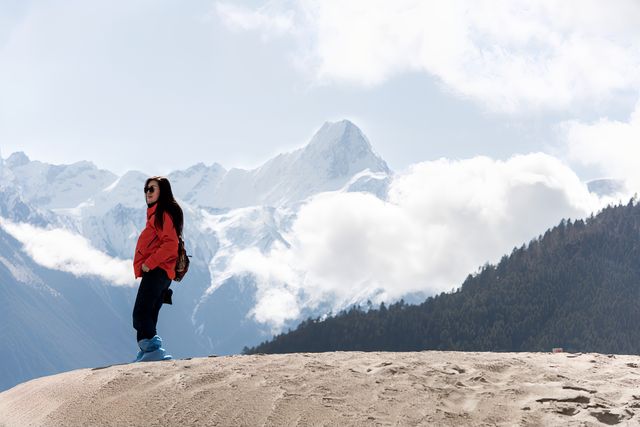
(151,210)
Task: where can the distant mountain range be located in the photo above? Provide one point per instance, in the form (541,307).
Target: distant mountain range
(577,287)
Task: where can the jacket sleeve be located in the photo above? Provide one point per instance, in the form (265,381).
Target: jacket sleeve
(168,249)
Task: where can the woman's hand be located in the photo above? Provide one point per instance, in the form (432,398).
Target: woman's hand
(145,269)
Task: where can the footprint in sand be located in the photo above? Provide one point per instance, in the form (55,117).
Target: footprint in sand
(608,418)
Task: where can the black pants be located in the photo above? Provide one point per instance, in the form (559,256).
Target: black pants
(151,293)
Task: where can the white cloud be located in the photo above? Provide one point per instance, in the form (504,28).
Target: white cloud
(512,56)
(612,146)
(63,250)
(443,219)
(264,19)
(275,306)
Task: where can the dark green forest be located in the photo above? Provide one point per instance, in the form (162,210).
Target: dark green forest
(576,287)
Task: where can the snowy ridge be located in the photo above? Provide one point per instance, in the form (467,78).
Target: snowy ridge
(336,153)
(56,186)
(607,186)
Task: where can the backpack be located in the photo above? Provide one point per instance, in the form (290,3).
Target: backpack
(182,263)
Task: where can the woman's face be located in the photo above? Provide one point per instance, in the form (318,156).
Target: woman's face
(152,192)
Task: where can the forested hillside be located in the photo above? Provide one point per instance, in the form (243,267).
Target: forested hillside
(577,287)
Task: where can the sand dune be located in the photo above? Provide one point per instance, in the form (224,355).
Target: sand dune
(343,388)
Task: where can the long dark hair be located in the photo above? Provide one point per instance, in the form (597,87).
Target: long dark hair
(167,203)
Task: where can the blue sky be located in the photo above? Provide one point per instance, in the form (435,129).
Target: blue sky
(128,84)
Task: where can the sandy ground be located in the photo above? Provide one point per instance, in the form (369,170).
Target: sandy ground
(339,389)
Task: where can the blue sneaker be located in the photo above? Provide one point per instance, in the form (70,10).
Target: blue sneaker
(152,350)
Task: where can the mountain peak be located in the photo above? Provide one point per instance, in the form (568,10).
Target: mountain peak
(340,133)
(18,158)
(343,149)
(342,124)
(606,186)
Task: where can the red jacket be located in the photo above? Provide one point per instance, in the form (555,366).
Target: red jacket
(157,247)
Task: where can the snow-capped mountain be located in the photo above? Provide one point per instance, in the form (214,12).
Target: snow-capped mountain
(336,154)
(13,205)
(226,211)
(108,209)
(606,186)
(56,186)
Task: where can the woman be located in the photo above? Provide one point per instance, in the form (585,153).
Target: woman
(155,262)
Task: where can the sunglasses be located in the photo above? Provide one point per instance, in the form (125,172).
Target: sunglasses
(150,189)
